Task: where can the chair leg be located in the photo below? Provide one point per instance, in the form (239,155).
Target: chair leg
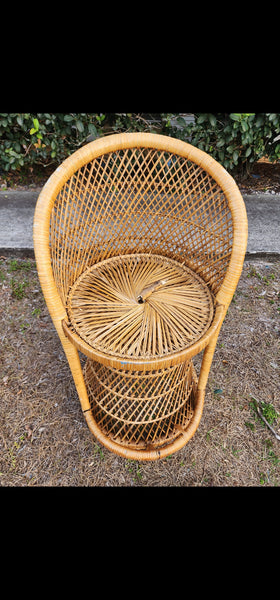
(207,359)
(202,382)
(74,362)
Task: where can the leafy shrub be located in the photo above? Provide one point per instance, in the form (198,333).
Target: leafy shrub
(43,138)
(48,138)
(236,140)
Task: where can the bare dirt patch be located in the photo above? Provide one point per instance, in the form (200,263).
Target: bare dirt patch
(44,439)
(264,177)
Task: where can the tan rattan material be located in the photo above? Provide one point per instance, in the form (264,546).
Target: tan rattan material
(142,412)
(139,242)
(140,305)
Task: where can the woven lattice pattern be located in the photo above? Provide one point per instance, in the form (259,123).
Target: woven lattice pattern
(140,200)
(140,305)
(145,411)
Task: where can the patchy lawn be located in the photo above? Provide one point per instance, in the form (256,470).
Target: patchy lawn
(44,438)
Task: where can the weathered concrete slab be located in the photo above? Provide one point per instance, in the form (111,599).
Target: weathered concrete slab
(263,211)
(16,221)
(17,212)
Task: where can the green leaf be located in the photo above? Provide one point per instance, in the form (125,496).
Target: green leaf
(245,139)
(259,121)
(20,120)
(92,129)
(201,119)
(235,156)
(218,391)
(212,120)
(235,116)
(32,131)
(36,124)
(80,126)
(181,121)
(68,118)
(248,151)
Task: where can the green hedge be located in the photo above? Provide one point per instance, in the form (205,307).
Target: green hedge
(42,138)
(28,139)
(236,140)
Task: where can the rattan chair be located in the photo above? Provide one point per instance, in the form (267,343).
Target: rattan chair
(139,242)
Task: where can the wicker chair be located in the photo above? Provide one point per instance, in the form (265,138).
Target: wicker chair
(139,241)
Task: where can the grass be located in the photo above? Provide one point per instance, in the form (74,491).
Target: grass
(44,438)
(269,412)
(18,288)
(16,265)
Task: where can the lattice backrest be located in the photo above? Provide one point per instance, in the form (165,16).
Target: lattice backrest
(138,200)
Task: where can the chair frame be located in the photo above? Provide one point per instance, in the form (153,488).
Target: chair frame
(58,312)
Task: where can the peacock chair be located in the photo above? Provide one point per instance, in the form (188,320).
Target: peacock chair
(139,241)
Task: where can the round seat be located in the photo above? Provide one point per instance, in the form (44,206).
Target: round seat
(140,305)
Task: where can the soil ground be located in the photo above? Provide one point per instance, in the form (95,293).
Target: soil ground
(264,177)
(44,438)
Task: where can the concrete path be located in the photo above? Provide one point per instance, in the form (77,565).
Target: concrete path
(17,211)
(263,211)
(16,222)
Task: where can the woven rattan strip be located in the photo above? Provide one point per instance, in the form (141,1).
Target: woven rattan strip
(140,305)
(145,411)
(140,200)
